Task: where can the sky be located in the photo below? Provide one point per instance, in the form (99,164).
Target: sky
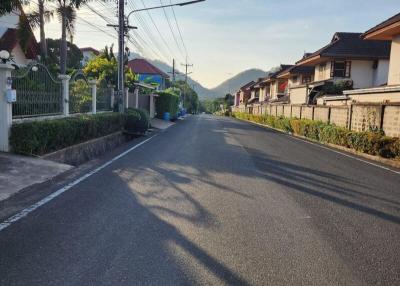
(226,37)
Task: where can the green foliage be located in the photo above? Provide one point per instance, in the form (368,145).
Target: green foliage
(188,94)
(140,121)
(74,55)
(167,102)
(214,105)
(105,68)
(80,96)
(41,137)
(373,143)
(338,87)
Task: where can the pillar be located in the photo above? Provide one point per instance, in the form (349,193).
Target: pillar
(5,107)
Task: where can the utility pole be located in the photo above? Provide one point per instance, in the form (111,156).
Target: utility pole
(121,43)
(186,65)
(123,29)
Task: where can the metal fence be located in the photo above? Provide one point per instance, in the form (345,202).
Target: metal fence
(104,98)
(38,93)
(80,94)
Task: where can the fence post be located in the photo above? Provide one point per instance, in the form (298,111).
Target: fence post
(127,97)
(5,107)
(136,92)
(350,116)
(93,85)
(65,92)
(111,91)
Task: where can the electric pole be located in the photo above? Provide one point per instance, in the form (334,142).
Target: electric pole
(123,29)
(186,65)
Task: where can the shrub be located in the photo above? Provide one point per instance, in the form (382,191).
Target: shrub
(167,102)
(41,137)
(374,143)
(142,123)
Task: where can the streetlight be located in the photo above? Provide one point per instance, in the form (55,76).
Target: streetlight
(164,6)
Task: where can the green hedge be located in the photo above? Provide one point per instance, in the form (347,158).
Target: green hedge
(138,120)
(373,143)
(42,137)
(167,102)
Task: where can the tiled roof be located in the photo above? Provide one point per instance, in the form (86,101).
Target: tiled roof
(90,49)
(9,40)
(141,66)
(351,45)
(299,70)
(390,21)
(247,85)
(281,69)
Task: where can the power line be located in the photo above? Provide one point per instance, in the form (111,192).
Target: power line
(179,30)
(170,28)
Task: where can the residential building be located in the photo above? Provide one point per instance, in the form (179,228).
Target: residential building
(148,73)
(276,89)
(243,94)
(21,54)
(348,57)
(88,53)
(255,92)
(387,31)
(298,78)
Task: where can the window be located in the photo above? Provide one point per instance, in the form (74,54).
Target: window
(294,79)
(340,69)
(306,79)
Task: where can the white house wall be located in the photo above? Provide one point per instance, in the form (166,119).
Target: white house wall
(394,66)
(381,74)
(362,74)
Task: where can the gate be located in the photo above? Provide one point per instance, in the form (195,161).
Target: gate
(80,94)
(38,92)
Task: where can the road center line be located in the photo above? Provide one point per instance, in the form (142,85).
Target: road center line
(52,196)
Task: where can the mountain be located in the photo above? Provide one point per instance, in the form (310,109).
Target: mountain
(231,84)
(234,83)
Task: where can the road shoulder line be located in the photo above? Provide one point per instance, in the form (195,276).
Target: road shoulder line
(28,210)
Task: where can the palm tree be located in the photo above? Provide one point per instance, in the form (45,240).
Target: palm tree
(66,11)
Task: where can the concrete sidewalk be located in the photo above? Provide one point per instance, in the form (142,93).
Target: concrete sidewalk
(18,172)
(160,124)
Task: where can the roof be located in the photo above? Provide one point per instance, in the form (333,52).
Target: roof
(277,72)
(351,45)
(90,49)
(247,85)
(9,40)
(384,24)
(297,70)
(141,66)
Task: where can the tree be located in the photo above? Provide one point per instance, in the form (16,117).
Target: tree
(74,55)
(189,96)
(104,67)
(67,13)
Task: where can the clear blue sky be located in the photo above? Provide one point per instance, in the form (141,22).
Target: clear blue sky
(225,37)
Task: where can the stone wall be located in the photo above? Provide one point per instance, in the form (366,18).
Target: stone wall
(307,112)
(391,121)
(321,113)
(366,117)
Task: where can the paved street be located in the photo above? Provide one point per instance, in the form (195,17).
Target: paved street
(215,201)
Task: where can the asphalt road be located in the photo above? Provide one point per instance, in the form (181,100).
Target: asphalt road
(215,201)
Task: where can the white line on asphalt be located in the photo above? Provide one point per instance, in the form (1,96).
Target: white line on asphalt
(327,148)
(52,196)
(346,155)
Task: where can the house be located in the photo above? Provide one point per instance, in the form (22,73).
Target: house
(387,31)
(88,53)
(243,94)
(255,91)
(298,78)
(148,73)
(21,52)
(276,89)
(350,60)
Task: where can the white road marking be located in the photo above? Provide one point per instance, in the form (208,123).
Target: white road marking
(52,196)
(327,148)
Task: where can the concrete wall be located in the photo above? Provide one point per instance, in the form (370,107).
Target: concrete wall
(358,117)
(325,75)
(321,113)
(340,116)
(365,117)
(307,112)
(394,66)
(298,95)
(378,97)
(391,121)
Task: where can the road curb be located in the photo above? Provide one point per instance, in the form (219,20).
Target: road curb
(388,162)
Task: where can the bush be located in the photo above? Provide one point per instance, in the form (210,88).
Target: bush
(167,102)
(138,120)
(41,137)
(373,143)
